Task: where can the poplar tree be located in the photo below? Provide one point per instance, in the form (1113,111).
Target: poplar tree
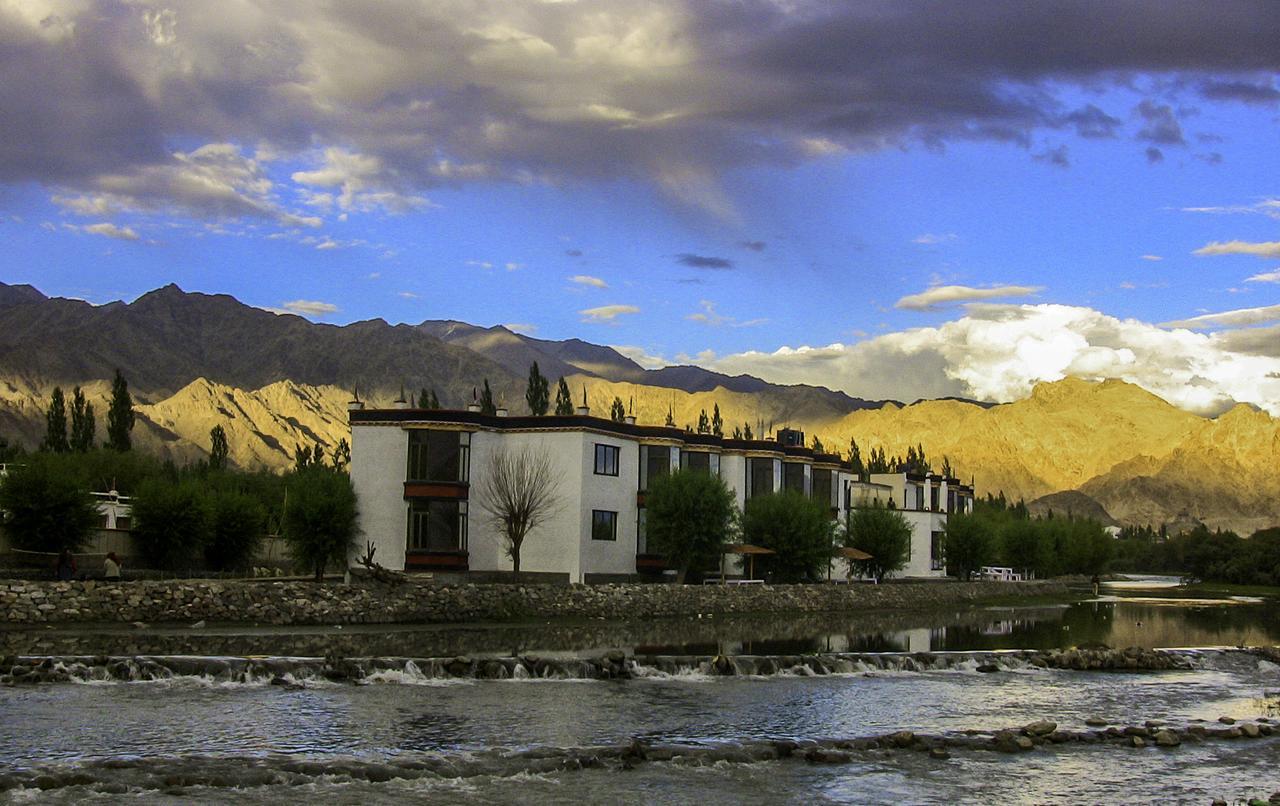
(55,420)
(704,424)
(487,406)
(83,423)
(717,424)
(618,411)
(564,399)
(538,393)
(671,420)
(218,448)
(120,415)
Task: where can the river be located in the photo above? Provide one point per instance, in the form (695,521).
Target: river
(206,727)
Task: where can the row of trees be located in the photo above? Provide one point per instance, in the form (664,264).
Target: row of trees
(84,423)
(203,515)
(996,534)
(691,515)
(1204,554)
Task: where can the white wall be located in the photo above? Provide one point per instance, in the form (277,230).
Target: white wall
(612,494)
(379,458)
(552,546)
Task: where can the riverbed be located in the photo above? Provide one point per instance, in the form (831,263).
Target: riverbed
(674,732)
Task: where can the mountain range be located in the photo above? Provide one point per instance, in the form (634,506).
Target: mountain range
(1107,449)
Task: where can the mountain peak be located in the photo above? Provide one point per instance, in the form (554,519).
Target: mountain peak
(19,294)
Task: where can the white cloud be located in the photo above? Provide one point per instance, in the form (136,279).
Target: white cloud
(607,314)
(523,328)
(1267,207)
(1265,277)
(709,316)
(364,182)
(510,266)
(307,307)
(1242,317)
(641,356)
(586,279)
(930,238)
(1264,249)
(409,295)
(941,295)
(480,264)
(109,230)
(999,352)
(1152,258)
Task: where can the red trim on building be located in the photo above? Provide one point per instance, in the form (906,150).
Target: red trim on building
(436,561)
(436,489)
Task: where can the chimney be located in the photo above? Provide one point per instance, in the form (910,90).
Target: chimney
(474,405)
(584,409)
(400,402)
(630,419)
(501,411)
(355,403)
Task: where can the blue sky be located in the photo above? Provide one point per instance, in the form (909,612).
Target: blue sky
(895,199)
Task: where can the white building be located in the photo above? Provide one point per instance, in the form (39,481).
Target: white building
(414,471)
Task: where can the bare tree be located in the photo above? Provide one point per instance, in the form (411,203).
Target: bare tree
(518,494)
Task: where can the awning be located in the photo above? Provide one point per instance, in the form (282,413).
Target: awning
(850,553)
(745,548)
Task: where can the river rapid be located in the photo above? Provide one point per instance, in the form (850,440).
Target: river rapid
(694,710)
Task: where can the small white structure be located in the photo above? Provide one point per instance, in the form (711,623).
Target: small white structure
(415,472)
(114,510)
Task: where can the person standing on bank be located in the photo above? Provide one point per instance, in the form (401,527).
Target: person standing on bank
(111,567)
(66,567)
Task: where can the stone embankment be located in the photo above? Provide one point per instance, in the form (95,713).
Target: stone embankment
(244,601)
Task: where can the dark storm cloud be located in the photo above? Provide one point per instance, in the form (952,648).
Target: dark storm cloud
(1059,157)
(703,261)
(754,246)
(1154,155)
(1261,93)
(1160,125)
(448,92)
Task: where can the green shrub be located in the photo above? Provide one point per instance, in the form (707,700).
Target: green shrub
(320,518)
(689,515)
(172,523)
(968,544)
(797,528)
(47,509)
(236,530)
(882,533)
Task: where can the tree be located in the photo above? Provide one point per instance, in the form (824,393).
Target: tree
(487,406)
(717,424)
(882,533)
(236,526)
(171,523)
(564,399)
(55,428)
(618,410)
(688,518)
(120,416)
(818,447)
(341,455)
(855,458)
(47,509)
(428,399)
(796,527)
(967,544)
(1022,548)
(319,520)
(947,470)
(538,393)
(671,419)
(218,448)
(746,431)
(704,423)
(519,493)
(83,423)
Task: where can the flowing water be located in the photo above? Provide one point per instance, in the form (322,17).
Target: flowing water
(218,715)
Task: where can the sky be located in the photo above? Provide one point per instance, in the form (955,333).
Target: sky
(895,199)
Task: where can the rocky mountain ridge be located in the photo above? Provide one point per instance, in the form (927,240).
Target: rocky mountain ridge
(276,381)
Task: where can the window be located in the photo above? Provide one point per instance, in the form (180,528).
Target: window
(438,455)
(933,498)
(657,463)
(822,485)
(697,461)
(607,460)
(937,554)
(438,526)
(793,477)
(760,476)
(604,525)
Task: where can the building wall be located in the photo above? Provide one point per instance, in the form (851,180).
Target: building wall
(611,494)
(379,458)
(552,546)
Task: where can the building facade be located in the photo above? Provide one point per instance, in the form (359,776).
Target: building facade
(417,473)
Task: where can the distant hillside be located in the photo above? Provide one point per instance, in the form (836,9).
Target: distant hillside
(273,381)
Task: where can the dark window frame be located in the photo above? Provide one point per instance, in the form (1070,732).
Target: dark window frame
(419,537)
(421,461)
(610,522)
(603,452)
